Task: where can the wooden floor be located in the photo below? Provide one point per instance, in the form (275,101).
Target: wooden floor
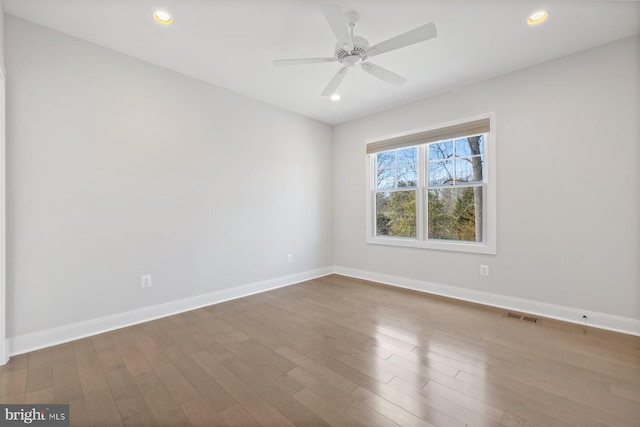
(338,351)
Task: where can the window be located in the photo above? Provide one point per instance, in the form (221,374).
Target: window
(434,188)
(396,189)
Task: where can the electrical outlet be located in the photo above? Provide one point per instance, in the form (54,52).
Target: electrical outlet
(145,281)
(290,258)
(484,270)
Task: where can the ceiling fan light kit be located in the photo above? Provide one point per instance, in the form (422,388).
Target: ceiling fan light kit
(352,51)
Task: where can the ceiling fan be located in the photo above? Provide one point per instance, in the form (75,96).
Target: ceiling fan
(352,51)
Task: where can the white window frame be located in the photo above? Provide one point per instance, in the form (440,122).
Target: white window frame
(487,246)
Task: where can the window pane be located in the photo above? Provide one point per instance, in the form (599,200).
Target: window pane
(455,214)
(441,173)
(397,169)
(396,213)
(464,172)
(386,179)
(469,169)
(407,176)
(407,156)
(386,159)
(441,150)
(470,146)
(462,148)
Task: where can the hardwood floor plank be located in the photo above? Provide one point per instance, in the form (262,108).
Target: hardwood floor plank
(627,391)
(265,370)
(419,368)
(388,409)
(78,415)
(346,345)
(258,335)
(166,329)
(262,361)
(90,372)
(470,403)
(280,399)
(102,409)
(42,396)
(277,331)
(236,416)
(340,401)
(431,407)
(131,404)
(83,345)
(325,410)
(108,353)
(373,366)
(355,374)
(512,420)
(135,362)
(13,384)
(321,371)
(66,378)
(520,407)
(200,414)
(40,373)
(162,405)
(259,409)
(179,387)
(213,393)
(391,344)
(588,399)
(561,410)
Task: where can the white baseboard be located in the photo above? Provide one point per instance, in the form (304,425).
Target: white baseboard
(50,337)
(568,314)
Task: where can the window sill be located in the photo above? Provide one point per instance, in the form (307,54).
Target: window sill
(468,247)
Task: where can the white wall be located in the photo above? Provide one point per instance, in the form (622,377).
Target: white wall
(568,141)
(1,33)
(118,168)
(3,352)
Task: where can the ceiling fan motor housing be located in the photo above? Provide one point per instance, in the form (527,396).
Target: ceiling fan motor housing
(356,56)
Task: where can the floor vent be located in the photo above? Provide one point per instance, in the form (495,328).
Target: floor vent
(526,318)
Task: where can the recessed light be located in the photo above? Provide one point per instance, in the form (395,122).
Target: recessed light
(335,97)
(537,17)
(162,17)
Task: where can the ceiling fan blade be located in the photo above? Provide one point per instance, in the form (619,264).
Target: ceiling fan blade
(335,17)
(302,61)
(383,74)
(335,82)
(417,35)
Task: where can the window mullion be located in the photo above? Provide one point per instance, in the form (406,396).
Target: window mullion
(420,209)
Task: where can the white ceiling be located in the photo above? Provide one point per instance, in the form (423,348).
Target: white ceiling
(232,43)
